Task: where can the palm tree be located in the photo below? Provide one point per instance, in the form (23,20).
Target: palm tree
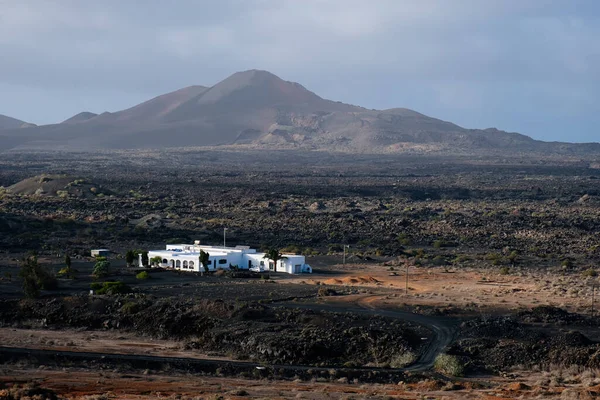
(129,257)
(204,258)
(274,255)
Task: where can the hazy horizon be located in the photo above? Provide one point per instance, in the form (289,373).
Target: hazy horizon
(530,68)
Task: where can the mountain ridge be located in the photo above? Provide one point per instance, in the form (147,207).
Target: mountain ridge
(7,122)
(257,109)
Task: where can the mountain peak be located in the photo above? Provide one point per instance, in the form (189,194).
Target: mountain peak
(81,117)
(262,85)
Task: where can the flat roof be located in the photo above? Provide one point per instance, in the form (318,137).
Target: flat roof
(184,253)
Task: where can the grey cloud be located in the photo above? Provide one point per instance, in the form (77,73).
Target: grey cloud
(462,53)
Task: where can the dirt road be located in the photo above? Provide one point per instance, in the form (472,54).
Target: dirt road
(444,329)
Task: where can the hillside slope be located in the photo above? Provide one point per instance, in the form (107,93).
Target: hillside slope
(11,123)
(257,109)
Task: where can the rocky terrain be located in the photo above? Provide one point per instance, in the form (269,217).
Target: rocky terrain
(247,331)
(498,214)
(507,343)
(56,186)
(501,254)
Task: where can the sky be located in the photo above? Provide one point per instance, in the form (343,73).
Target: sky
(528,66)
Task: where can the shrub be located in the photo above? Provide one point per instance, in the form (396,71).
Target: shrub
(35,277)
(404,239)
(403,360)
(131,307)
(143,275)
(439,261)
(130,257)
(144,258)
(495,258)
(101,268)
(111,288)
(591,272)
(96,286)
(324,292)
(449,365)
(567,264)
(504,271)
(155,260)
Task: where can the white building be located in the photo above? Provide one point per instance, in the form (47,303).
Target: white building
(100,252)
(186,257)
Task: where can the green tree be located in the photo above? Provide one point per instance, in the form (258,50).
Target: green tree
(35,277)
(101,268)
(69,271)
(204,258)
(145,258)
(155,261)
(274,255)
(130,257)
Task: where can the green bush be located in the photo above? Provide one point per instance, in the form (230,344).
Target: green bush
(111,288)
(504,271)
(591,272)
(439,261)
(131,307)
(36,278)
(143,275)
(449,365)
(156,260)
(403,360)
(404,239)
(101,268)
(567,264)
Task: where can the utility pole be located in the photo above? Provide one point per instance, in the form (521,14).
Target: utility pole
(407,277)
(224,236)
(346,246)
(593,292)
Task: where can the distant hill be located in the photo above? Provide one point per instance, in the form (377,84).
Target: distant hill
(81,117)
(12,123)
(57,186)
(256,109)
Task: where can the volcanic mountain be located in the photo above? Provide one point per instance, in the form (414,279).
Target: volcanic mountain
(12,123)
(257,109)
(81,117)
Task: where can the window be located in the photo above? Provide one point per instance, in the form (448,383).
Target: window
(209,262)
(262,263)
(222,261)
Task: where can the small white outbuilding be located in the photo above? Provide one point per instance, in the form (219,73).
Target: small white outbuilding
(100,252)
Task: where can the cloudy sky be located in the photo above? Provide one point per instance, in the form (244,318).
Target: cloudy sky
(531,66)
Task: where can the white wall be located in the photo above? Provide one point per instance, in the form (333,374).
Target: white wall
(292,264)
(256,259)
